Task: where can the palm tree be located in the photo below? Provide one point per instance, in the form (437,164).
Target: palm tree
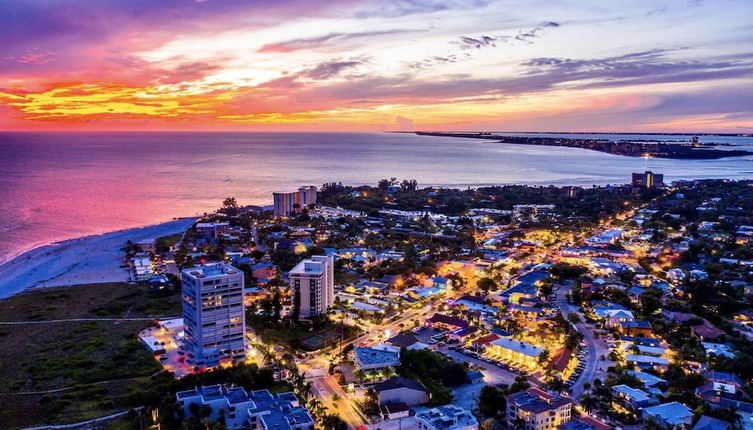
(268,356)
(361,375)
(372,396)
(589,403)
(315,406)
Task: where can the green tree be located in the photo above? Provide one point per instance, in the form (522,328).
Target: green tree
(333,422)
(491,401)
(490,424)
(486,285)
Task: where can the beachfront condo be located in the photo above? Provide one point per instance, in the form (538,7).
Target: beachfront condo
(213,315)
(313,284)
(294,202)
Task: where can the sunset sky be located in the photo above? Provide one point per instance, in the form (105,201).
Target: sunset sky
(674,65)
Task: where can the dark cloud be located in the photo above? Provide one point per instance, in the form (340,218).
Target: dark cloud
(313,42)
(485,41)
(330,69)
(435,60)
(644,67)
(539,75)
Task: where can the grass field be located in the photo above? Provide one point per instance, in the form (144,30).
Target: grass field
(61,355)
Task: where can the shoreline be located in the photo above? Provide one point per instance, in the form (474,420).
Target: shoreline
(15,254)
(82,260)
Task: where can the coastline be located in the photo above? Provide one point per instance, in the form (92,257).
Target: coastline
(82,260)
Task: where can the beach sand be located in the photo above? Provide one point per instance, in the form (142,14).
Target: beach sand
(85,260)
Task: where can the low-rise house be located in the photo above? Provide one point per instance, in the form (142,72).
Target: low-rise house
(718,383)
(141,267)
(632,399)
(394,411)
(710,423)
(584,423)
(647,361)
(706,331)
(615,317)
(669,415)
(515,352)
(264,271)
(257,410)
(649,380)
(477,304)
(636,328)
(448,417)
(718,349)
(407,341)
(376,360)
(401,390)
(538,409)
(484,341)
(446,322)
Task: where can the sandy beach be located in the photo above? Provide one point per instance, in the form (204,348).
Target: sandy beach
(84,260)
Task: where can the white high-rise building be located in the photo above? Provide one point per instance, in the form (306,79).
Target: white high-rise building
(213,314)
(313,284)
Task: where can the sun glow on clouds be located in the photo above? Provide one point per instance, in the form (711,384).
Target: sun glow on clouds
(360,65)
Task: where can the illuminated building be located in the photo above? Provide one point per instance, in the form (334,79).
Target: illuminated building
(294,202)
(213,315)
(313,284)
(241,409)
(515,352)
(648,180)
(539,410)
(448,417)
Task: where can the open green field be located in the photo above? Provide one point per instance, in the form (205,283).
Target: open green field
(102,361)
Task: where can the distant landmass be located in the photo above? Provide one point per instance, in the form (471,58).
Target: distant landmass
(629,148)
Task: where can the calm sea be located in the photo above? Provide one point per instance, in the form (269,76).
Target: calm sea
(55,186)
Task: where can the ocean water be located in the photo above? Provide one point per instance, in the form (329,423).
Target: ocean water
(55,186)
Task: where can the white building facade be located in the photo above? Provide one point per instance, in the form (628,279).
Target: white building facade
(213,315)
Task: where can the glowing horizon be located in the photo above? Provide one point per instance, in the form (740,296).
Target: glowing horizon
(356,65)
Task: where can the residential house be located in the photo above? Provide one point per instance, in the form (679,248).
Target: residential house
(515,352)
(447,417)
(710,423)
(243,410)
(401,390)
(631,399)
(669,415)
(375,361)
(538,409)
(636,328)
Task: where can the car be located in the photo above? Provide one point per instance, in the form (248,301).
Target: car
(163,357)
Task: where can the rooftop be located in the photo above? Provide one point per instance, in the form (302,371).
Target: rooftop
(518,346)
(371,356)
(634,394)
(399,382)
(583,423)
(648,379)
(536,401)
(448,417)
(672,413)
(209,270)
(307,267)
(403,340)
(710,423)
(446,319)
